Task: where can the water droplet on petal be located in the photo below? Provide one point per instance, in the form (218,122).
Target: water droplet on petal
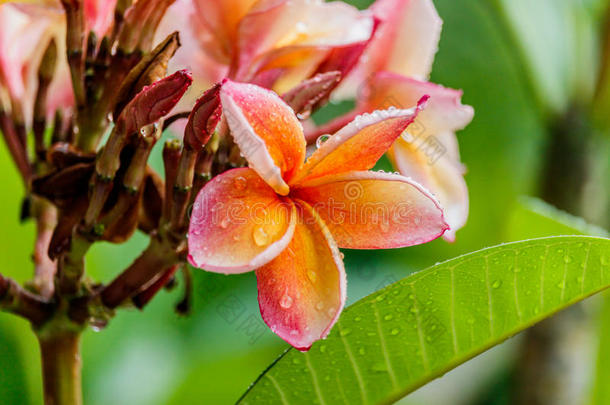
(321,140)
(240,183)
(286,302)
(260,236)
(312,276)
(320,306)
(224,224)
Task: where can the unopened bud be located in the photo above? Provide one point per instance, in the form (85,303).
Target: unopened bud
(151,68)
(154,101)
(48,63)
(309,94)
(203,119)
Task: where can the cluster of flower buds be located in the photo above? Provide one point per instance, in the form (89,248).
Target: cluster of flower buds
(257,71)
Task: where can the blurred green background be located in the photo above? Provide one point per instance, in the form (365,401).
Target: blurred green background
(155,357)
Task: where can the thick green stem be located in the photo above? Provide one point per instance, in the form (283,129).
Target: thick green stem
(61,368)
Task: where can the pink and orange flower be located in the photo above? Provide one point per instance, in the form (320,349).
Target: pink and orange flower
(286,216)
(393,72)
(273,43)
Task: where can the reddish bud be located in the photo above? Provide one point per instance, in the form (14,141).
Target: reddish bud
(155,101)
(310,93)
(203,119)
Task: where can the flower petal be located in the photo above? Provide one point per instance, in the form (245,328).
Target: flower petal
(444,113)
(372,210)
(407,39)
(99,15)
(238,223)
(302,292)
(442,176)
(279,33)
(217,21)
(358,145)
(266,130)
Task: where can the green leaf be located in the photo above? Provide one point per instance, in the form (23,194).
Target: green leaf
(534,218)
(403,336)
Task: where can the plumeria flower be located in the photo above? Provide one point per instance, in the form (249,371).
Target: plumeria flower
(286,217)
(276,44)
(394,72)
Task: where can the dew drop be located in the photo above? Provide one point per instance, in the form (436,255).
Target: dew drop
(322,348)
(497,284)
(313,277)
(394,332)
(224,224)
(260,236)
(321,140)
(286,302)
(379,368)
(345,332)
(388,317)
(320,306)
(240,183)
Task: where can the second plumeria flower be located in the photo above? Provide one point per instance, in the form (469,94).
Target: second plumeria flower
(286,217)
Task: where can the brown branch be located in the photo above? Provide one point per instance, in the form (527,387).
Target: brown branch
(45,267)
(145,296)
(144,271)
(17,300)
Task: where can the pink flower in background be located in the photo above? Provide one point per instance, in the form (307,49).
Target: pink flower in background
(99,15)
(394,72)
(274,43)
(25,32)
(286,217)
(26,29)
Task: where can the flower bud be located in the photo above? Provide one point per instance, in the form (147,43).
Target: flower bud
(154,101)
(203,119)
(151,68)
(308,95)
